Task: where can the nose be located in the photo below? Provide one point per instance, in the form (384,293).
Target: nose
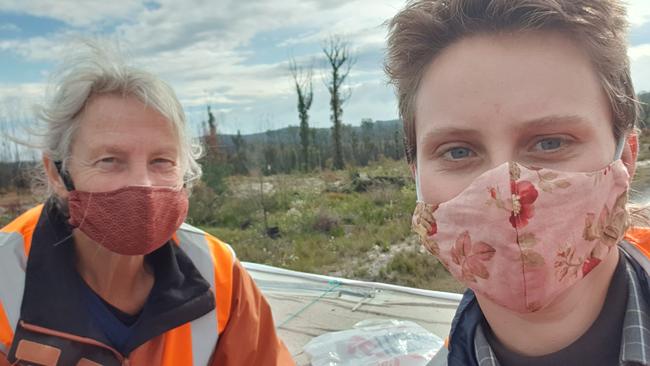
(501,155)
(139,175)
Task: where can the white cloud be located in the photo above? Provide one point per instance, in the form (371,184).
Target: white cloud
(640,66)
(359,21)
(638,11)
(76,13)
(201,46)
(42,48)
(25,93)
(639,51)
(16,108)
(9,28)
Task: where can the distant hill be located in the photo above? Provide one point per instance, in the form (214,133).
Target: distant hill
(380,130)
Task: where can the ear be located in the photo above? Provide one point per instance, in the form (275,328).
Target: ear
(630,153)
(53,177)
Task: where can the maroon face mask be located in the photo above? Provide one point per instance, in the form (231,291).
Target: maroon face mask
(132,220)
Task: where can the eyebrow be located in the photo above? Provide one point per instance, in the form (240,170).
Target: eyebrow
(109,149)
(554,121)
(119,150)
(450,132)
(546,122)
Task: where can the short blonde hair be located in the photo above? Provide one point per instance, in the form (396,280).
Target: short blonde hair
(424,28)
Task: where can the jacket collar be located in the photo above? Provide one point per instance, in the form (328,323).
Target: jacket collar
(463,329)
(53,298)
(469,314)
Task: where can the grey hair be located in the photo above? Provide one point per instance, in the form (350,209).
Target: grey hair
(98,67)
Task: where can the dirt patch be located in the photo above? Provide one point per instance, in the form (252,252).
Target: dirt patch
(250,186)
(375,260)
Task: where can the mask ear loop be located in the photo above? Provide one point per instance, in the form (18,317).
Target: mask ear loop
(619,147)
(417,186)
(65,176)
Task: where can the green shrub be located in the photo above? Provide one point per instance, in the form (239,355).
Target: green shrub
(327,223)
(414,269)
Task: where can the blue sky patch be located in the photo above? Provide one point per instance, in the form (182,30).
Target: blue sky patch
(21,26)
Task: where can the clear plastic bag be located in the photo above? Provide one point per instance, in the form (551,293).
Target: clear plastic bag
(375,342)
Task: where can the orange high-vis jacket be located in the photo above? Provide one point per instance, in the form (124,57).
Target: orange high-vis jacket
(226,322)
(639,237)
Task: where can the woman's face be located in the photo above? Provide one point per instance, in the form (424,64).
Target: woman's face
(485,100)
(121,142)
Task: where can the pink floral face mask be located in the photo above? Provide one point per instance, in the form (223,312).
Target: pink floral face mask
(521,236)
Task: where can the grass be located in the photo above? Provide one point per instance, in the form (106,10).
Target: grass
(415,269)
(644,145)
(13,203)
(326,226)
(641,182)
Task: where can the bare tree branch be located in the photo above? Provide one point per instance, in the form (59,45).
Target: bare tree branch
(304,89)
(338,56)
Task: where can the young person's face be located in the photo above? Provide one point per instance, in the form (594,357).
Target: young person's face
(533,98)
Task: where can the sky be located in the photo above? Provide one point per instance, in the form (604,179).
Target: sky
(232,55)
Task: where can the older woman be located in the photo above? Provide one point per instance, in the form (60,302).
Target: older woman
(105,272)
(520,121)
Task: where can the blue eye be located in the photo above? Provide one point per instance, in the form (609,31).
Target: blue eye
(107,160)
(163,163)
(549,144)
(457,153)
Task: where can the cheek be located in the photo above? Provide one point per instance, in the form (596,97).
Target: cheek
(169,179)
(437,188)
(168,173)
(93,180)
(99,183)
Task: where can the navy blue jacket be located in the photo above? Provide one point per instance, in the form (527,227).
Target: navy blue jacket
(469,316)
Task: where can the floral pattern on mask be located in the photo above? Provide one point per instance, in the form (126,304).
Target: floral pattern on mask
(425,226)
(523,198)
(524,193)
(589,264)
(469,256)
(567,263)
(608,230)
(611,224)
(548,180)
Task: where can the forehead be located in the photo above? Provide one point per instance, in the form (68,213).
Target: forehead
(125,123)
(503,80)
